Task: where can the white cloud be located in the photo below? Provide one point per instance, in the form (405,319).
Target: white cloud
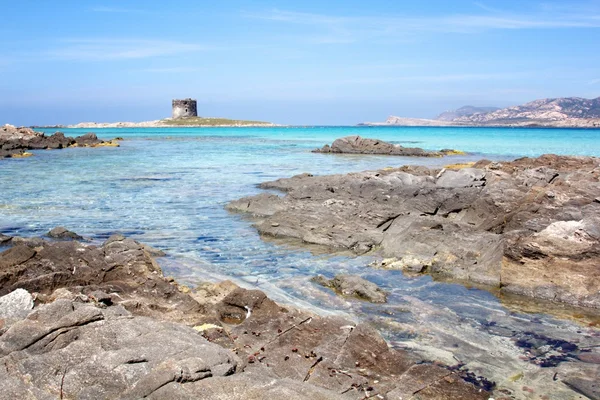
(594,81)
(119,49)
(346,29)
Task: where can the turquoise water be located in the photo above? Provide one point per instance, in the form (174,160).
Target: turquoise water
(167,187)
(508,142)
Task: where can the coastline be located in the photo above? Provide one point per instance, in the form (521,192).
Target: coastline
(216,338)
(455,329)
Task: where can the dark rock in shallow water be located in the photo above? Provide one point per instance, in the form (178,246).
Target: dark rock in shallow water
(529,227)
(359,145)
(89,139)
(355,286)
(15,141)
(63,233)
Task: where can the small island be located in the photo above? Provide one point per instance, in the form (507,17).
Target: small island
(184,114)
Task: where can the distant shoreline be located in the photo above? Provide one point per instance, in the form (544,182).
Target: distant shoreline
(564,124)
(194,122)
(361,125)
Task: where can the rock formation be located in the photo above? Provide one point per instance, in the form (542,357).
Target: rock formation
(360,145)
(14,142)
(529,227)
(107,324)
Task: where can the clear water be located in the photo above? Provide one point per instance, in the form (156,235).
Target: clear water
(167,187)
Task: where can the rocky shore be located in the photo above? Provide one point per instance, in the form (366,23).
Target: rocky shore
(360,145)
(529,227)
(87,321)
(15,142)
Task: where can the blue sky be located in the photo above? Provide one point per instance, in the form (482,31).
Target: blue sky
(309,62)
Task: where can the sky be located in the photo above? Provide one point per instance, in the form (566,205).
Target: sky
(290,62)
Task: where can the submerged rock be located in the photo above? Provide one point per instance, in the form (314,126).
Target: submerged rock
(529,227)
(360,145)
(354,286)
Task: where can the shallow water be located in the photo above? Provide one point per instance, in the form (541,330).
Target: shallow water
(167,187)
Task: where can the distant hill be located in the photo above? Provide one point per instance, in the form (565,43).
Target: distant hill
(465,111)
(558,112)
(560,109)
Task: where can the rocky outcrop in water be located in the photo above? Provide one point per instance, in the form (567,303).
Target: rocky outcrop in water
(14,142)
(107,324)
(529,227)
(360,145)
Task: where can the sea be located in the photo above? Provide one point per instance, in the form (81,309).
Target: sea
(167,187)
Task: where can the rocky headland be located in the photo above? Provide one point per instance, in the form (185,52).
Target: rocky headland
(88,321)
(528,227)
(565,112)
(15,142)
(359,145)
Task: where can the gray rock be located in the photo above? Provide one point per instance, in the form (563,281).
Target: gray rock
(89,353)
(62,233)
(4,239)
(91,337)
(154,252)
(359,145)
(15,306)
(253,385)
(588,387)
(354,286)
(492,224)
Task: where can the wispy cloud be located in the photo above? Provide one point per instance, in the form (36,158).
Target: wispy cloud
(402,79)
(171,70)
(347,29)
(119,49)
(119,10)
(594,81)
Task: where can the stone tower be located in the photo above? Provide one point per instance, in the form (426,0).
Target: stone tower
(184,108)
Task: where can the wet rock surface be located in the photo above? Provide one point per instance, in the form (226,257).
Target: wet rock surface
(529,227)
(14,142)
(353,286)
(107,324)
(360,145)
(63,233)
